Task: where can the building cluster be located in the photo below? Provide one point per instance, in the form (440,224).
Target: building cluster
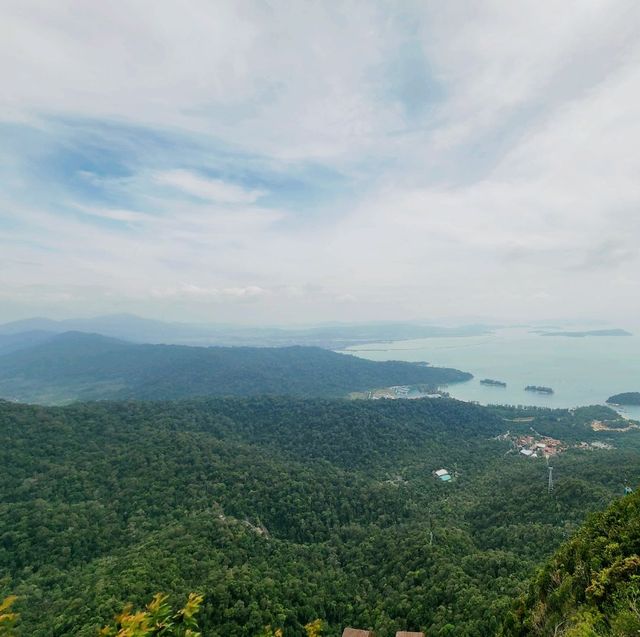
(538,446)
(401,391)
(398,391)
(442,475)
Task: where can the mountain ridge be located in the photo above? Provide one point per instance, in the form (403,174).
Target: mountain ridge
(79,366)
(333,336)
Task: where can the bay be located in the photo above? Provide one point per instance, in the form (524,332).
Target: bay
(581,370)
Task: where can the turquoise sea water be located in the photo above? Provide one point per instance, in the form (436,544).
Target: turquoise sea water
(582,371)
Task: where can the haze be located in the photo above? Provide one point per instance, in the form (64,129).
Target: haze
(261,162)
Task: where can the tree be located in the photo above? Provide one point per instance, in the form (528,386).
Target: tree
(8,619)
(314,628)
(158,619)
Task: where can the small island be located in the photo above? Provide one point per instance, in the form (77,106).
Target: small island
(626,398)
(539,389)
(493,383)
(578,334)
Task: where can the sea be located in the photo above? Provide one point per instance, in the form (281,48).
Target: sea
(580,370)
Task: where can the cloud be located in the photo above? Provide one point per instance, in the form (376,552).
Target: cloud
(291,81)
(131,216)
(208,189)
(326,161)
(191,290)
(609,253)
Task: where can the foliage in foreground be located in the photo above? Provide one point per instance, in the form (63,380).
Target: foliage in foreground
(591,588)
(157,619)
(8,618)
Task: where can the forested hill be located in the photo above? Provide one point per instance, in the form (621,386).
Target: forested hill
(79,366)
(591,587)
(23,340)
(281,511)
(627,398)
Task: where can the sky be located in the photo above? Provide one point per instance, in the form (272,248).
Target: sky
(296,162)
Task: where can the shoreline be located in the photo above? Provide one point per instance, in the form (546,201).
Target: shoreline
(582,372)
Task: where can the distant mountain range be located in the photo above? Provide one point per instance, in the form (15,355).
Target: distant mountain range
(141,330)
(78,366)
(584,334)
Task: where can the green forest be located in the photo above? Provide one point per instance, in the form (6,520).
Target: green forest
(591,587)
(626,398)
(76,366)
(283,511)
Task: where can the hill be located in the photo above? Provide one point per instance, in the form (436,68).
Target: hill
(23,340)
(627,398)
(281,511)
(592,584)
(78,366)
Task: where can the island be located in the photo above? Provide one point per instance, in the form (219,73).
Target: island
(493,383)
(626,398)
(539,389)
(577,334)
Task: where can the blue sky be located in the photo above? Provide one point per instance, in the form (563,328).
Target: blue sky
(278,162)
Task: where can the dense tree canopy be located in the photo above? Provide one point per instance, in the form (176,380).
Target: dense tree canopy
(283,511)
(591,587)
(626,398)
(77,366)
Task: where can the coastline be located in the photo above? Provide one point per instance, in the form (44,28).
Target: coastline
(582,371)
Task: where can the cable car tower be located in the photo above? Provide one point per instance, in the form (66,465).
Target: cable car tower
(550,469)
(430,527)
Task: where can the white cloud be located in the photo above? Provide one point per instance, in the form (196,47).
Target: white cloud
(194,291)
(513,191)
(504,59)
(132,216)
(205,188)
(288,79)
